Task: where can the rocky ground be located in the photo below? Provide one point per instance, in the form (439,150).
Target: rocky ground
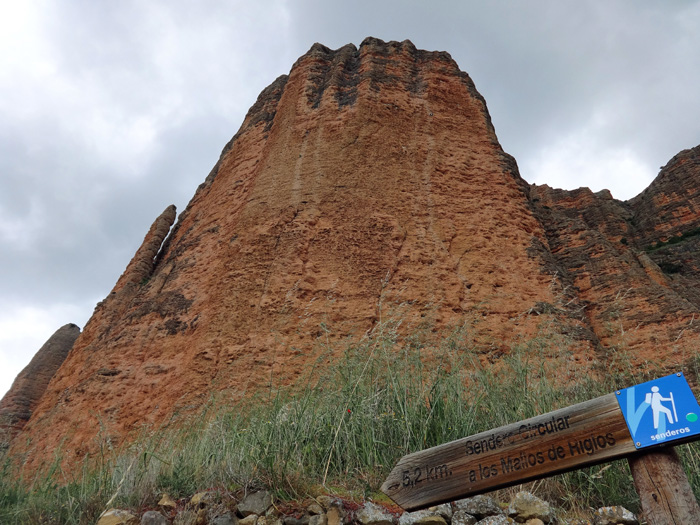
(258,508)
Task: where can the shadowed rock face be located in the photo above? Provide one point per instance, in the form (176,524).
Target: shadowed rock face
(367,180)
(667,225)
(670,206)
(17,405)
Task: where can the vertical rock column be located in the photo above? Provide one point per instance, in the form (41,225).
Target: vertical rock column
(17,405)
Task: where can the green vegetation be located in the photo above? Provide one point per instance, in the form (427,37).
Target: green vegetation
(673,240)
(341,431)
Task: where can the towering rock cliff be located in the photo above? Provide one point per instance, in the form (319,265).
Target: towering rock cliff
(368,183)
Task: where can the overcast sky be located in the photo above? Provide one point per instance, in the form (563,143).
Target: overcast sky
(112,110)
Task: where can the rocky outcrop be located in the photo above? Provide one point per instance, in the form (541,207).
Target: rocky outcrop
(632,266)
(670,206)
(366,179)
(666,220)
(627,301)
(141,266)
(17,405)
(369,183)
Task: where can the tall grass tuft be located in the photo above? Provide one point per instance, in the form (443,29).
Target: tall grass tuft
(341,430)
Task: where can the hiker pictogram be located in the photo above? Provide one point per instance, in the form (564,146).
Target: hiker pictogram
(654,398)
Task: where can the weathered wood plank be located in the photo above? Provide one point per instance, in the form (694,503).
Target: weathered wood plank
(584,434)
(663,488)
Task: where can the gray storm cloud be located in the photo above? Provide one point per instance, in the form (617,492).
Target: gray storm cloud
(111,111)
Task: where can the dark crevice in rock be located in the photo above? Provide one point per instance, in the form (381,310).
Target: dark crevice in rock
(415,82)
(318,81)
(337,70)
(346,77)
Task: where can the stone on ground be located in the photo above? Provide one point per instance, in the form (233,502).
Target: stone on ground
(373,514)
(615,516)
(528,506)
(479,506)
(256,503)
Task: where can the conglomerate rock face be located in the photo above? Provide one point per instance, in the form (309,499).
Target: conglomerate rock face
(366,182)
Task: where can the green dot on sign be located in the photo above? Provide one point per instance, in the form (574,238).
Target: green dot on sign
(692,417)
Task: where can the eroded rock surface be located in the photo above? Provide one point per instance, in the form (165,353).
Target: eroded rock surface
(367,183)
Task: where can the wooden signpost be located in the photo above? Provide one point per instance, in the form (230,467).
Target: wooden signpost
(585,434)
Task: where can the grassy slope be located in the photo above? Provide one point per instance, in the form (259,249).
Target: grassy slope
(341,431)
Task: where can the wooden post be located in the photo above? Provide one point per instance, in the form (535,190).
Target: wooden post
(663,488)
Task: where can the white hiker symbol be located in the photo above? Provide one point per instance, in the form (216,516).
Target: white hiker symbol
(654,399)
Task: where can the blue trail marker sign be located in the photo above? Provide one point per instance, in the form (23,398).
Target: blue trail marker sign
(660,411)
(596,431)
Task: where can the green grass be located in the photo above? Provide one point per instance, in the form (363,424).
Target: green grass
(341,431)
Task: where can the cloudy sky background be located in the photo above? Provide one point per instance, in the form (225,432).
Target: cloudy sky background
(110,111)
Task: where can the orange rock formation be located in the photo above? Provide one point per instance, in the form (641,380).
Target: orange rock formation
(19,402)
(369,178)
